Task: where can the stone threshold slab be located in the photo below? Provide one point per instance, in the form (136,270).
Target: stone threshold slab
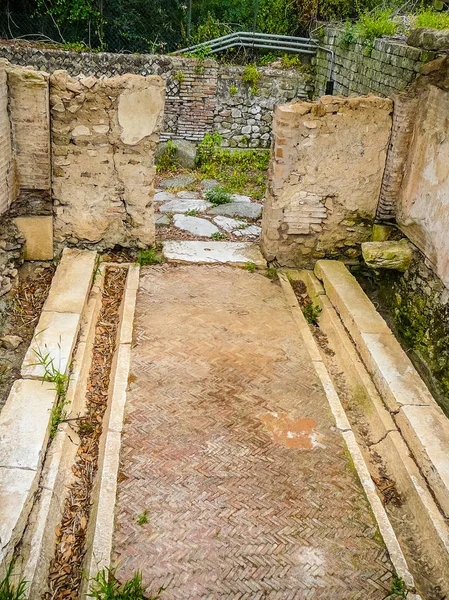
(235,253)
(72,282)
(422,423)
(24,433)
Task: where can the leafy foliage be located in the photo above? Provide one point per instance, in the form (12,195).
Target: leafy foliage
(218,195)
(433,19)
(106,586)
(311,313)
(398,588)
(242,171)
(167,159)
(251,76)
(150,256)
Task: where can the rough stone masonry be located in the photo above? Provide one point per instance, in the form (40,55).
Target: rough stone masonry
(104,135)
(324,178)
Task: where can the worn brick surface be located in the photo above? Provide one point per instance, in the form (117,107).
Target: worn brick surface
(230,446)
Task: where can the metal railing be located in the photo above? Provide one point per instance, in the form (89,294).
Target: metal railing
(249,39)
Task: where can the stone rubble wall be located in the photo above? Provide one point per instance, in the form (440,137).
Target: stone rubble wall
(328,159)
(104,134)
(387,68)
(198,98)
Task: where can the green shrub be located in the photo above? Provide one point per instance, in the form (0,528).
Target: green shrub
(349,35)
(167,159)
(179,77)
(432,19)
(290,61)
(233,90)
(218,236)
(218,195)
(150,256)
(376,24)
(251,76)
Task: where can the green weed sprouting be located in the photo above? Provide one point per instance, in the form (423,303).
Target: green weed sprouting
(10,590)
(167,160)
(150,256)
(218,195)
(142,519)
(311,313)
(218,236)
(251,267)
(398,588)
(106,586)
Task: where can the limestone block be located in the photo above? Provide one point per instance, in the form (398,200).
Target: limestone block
(72,281)
(387,255)
(381,233)
(6,171)
(195,225)
(237,253)
(38,234)
(429,39)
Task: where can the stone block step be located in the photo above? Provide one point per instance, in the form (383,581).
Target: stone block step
(237,253)
(24,432)
(423,425)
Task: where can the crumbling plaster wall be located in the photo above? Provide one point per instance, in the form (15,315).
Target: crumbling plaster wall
(104,135)
(422,210)
(328,159)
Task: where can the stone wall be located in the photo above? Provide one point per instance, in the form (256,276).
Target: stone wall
(104,136)
(422,210)
(324,178)
(385,69)
(198,98)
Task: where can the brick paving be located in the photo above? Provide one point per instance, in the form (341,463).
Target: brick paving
(230,446)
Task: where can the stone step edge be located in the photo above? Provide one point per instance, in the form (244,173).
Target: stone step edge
(23,515)
(422,424)
(101,523)
(391,542)
(433,529)
(40,537)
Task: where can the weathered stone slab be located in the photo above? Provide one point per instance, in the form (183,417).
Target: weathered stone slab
(228,224)
(24,424)
(164,197)
(238,209)
(252,231)
(72,281)
(38,234)
(186,195)
(182,206)
(238,253)
(161,220)
(387,255)
(177,182)
(429,39)
(240,198)
(55,335)
(426,430)
(208,184)
(194,225)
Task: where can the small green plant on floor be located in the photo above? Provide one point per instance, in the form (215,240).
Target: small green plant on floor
(142,519)
(10,590)
(167,159)
(106,586)
(271,273)
(432,19)
(218,195)
(150,256)
(194,212)
(218,236)
(311,313)
(251,267)
(233,90)
(53,375)
(251,77)
(179,77)
(398,588)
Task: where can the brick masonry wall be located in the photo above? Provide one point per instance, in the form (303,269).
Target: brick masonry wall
(198,98)
(389,67)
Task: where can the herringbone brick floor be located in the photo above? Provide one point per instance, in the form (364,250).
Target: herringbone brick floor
(230,446)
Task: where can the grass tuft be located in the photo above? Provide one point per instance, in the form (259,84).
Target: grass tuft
(150,256)
(106,586)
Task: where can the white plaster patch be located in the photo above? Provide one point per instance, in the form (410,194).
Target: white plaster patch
(138,113)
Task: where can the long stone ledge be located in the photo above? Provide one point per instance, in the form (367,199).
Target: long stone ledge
(422,423)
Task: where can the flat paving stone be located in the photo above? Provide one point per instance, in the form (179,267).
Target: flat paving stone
(240,253)
(178,181)
(208,184)
(251,231)
(231,447)
(188,195)
(238,209)
(194,225)
(164,197)
(161,220)
(228,224)
(240,198)
(55,335)
(72,281)
(181,206)
(24,423)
